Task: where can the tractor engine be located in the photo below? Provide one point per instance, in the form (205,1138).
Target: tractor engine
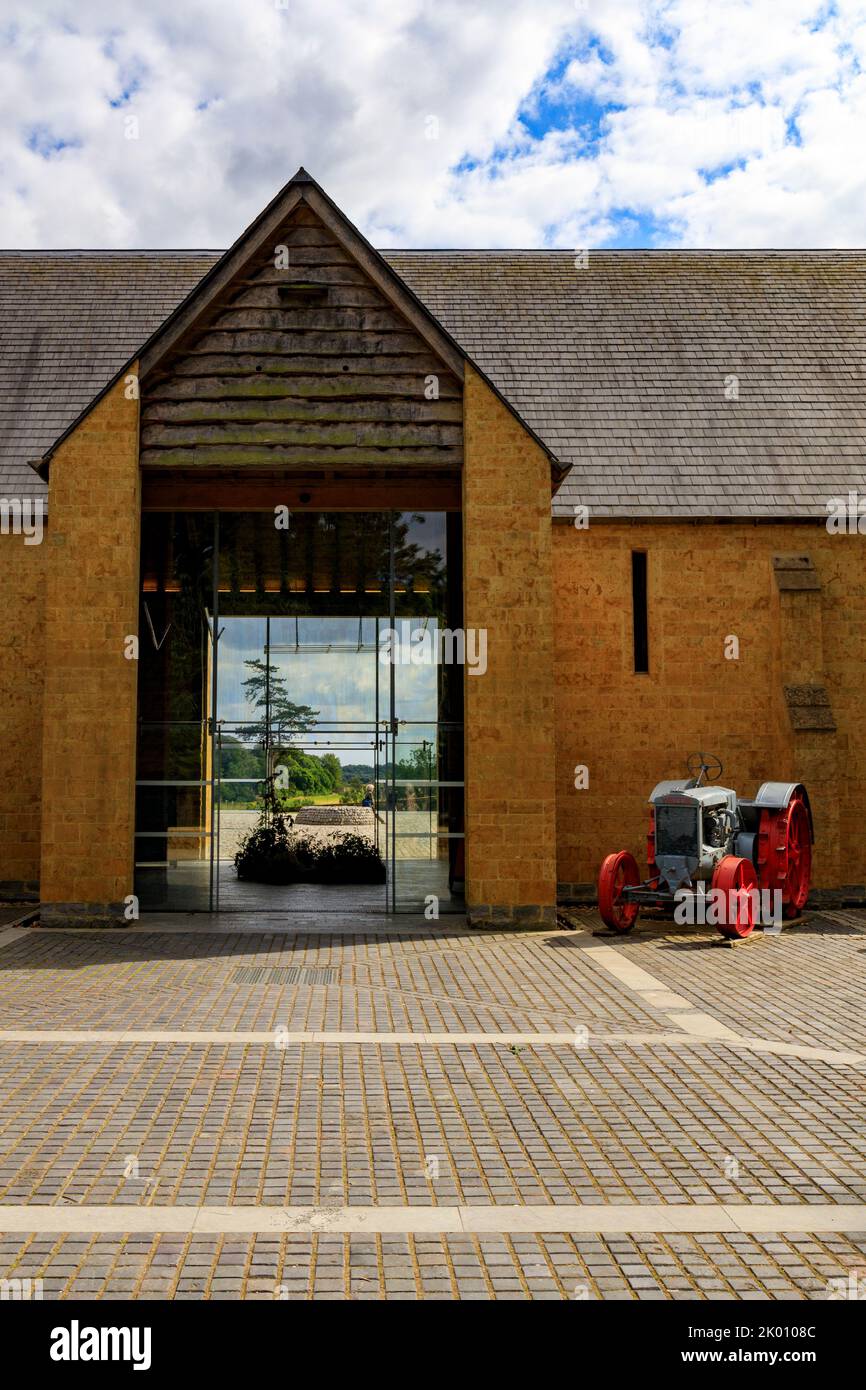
(695,829)
(701,834)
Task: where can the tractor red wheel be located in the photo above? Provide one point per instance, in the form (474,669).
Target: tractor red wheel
(617,872)
(735,878)
(785,854)
(799,875)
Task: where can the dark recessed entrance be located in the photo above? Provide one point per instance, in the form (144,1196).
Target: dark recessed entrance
(263,656)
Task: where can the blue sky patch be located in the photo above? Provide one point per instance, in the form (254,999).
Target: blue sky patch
(44,142)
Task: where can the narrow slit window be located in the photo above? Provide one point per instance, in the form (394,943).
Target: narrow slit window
(640,628)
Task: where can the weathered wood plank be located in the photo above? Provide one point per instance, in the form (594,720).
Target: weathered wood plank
(303,214)
(293,408)
(267,296)
(175,333)
(296,318)
(332,254)
(263,386)
(375,434)
(268,382)
(336,344)
(313,234)
(303,364)
(380,274)
(240,457)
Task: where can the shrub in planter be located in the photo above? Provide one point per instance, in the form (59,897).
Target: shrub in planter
(262,857)
(263,853)
(349,859)
(267,855)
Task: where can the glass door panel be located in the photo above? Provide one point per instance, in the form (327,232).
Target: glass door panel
(297,705)
(176,667)
(261,656)
(425,823)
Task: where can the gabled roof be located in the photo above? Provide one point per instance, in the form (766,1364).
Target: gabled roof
(68,321)
(625,368)
(620,368)
(262,234)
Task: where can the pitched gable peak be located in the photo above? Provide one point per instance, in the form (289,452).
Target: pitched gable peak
(258,240)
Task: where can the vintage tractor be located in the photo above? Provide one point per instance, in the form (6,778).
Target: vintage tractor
(702,835)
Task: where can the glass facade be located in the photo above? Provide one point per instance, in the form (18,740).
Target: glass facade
(312,652)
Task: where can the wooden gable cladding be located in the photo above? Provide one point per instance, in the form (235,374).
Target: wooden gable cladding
(286,376)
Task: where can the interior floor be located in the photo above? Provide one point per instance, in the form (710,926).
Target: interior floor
(186,888)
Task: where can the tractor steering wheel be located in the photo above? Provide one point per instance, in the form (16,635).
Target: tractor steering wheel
(704,764)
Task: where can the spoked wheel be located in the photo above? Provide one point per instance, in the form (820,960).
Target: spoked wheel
(735,877)
(785,854)
(617,872)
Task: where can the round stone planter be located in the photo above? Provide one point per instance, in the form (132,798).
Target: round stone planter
(334,815)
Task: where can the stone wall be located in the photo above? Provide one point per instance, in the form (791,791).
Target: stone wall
(88,766)
(510,788)
(560,676)
(800,643)
(22,654)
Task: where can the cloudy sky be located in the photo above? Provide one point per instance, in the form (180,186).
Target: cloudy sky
(436,122)
(340,682)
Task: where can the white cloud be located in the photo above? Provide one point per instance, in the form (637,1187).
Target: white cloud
(732,124)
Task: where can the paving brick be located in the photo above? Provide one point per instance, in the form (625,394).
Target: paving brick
(219,1124)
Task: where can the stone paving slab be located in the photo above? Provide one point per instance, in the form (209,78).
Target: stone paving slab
(406,1125)
(574,1218)
(808,982)
(135,980)
(632,1117)
(405,1267)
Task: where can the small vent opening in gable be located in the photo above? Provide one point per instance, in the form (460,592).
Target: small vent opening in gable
(303,292)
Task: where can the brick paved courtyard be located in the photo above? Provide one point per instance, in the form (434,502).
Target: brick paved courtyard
(369,1108)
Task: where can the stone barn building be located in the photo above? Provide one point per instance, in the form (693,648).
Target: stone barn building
(636,475)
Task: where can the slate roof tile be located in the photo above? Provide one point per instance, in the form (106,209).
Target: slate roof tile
(620,368)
